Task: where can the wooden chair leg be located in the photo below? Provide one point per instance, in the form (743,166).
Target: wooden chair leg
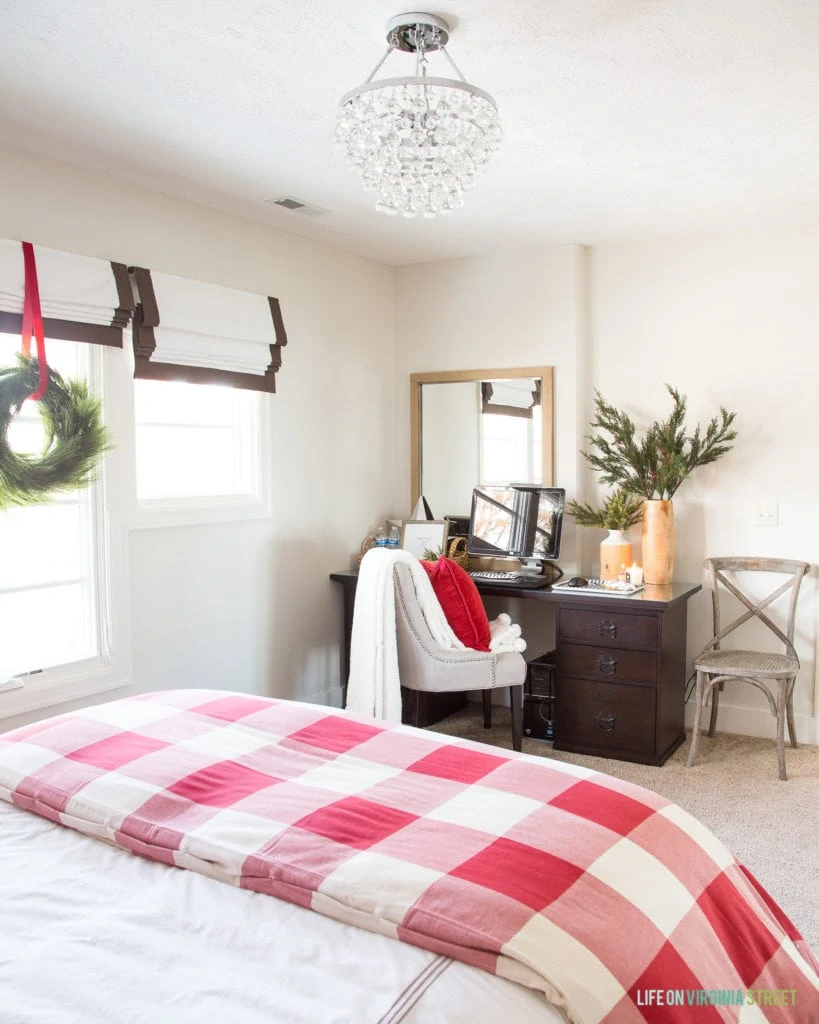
(486,696)
(791,725)
(695,732)
(516,700)
(715,692)
(781,714)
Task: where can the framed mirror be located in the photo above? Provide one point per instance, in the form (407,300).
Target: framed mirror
(471,427)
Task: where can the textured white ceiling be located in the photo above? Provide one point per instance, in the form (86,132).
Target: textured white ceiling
(624,119)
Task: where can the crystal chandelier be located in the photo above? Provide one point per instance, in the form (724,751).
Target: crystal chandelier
(418,142)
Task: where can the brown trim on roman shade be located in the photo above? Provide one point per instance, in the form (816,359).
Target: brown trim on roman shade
(147,319)
(76,330)
(124,313)
(278,332)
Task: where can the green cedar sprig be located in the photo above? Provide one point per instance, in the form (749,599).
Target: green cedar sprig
(655,466)
(619,511)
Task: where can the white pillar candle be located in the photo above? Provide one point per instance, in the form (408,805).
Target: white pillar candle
(635,575)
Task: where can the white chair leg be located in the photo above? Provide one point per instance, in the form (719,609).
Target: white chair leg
(695,732)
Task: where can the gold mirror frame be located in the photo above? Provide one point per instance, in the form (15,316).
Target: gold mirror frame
(545,373)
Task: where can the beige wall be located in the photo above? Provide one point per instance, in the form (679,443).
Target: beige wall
(525,308)
(450,442)
(246,606)
(730,321)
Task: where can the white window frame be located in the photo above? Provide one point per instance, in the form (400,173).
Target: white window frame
(533,463)
(157,513)
(117,512)
(111,668)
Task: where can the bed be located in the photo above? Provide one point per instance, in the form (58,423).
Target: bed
(452,881)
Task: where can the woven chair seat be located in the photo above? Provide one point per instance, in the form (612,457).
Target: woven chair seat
(757,664)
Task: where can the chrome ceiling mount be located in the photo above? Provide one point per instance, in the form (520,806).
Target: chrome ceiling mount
(415,31)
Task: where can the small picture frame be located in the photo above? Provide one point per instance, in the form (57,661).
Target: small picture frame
(420,536)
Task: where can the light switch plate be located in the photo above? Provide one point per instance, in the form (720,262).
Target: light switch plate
(766,514)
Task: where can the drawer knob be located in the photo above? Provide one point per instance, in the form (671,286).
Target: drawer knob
(606,665)
(607,629)
(605,723)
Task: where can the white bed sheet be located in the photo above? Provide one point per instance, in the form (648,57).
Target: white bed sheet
(90,934)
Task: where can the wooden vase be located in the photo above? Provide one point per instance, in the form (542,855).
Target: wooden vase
(658,541)
(615,551)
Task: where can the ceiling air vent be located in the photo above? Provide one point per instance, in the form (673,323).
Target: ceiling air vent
(297,206)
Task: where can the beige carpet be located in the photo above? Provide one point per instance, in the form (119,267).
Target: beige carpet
(771,826)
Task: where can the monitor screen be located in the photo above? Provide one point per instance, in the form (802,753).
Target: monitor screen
(516,520)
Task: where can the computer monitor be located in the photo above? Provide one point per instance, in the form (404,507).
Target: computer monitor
(516,521)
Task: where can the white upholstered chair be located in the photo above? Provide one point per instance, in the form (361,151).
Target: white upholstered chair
(426,667)
(715,666)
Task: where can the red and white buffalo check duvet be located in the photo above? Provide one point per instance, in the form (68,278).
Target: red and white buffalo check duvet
(600,893)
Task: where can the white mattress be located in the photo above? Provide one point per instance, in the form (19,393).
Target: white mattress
(90,934)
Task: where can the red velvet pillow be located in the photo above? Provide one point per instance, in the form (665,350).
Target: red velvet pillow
(461,602)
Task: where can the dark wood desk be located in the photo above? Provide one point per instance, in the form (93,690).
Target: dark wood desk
(620,680)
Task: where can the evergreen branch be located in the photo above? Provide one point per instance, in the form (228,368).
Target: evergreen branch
(619,511)
(657,465)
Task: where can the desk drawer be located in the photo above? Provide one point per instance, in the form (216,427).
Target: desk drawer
(607,663)
(609,627)
(605,715)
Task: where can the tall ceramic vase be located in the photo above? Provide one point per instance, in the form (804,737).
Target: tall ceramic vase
(658,541)
(615,551)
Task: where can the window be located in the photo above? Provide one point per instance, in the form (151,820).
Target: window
(195,441)
(510,448)
(54,567)
(183,455)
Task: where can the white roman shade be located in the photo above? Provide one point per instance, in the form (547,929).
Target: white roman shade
(205,334)
(82,298)
(511,397)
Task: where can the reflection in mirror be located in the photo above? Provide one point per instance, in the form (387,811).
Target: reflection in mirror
(479,426)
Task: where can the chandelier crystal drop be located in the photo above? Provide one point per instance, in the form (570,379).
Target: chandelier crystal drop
(418,142)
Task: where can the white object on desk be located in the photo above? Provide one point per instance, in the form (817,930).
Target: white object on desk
(635,575)
(603,588)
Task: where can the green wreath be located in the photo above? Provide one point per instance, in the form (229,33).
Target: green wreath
(76,437)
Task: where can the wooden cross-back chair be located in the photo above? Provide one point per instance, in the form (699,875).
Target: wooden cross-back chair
(714,665)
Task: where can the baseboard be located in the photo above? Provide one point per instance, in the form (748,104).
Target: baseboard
(754,722)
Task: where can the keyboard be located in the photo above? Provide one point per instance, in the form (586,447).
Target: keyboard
(515,580)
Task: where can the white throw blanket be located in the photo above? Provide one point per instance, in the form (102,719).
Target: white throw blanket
(374,687)
(504,635)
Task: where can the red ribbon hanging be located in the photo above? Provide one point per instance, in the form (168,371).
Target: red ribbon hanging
(33,320)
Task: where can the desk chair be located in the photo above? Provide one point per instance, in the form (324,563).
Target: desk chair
(424,666)
(714,666)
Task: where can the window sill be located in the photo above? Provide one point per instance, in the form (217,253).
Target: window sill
(60,685)
(163,513)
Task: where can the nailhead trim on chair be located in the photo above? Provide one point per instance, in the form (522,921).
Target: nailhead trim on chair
(480,656)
